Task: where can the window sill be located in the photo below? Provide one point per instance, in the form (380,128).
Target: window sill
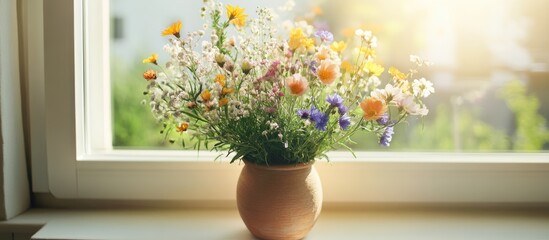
(375,223)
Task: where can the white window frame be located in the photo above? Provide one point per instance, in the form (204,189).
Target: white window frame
(74,172)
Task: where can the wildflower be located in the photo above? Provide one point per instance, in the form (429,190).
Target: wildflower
(344,121)
(338,46)
(220,60)
(389,94)
(271,72)
(374,69)
(397,74)
(320,118)
(297,84)
(313,66)
(236,15)
(307,44)
(220,79)
(328,72)
(367,37)
(299,42)
(335,100)
(325,36)
(191,105)
(182,127)
(368,52)
(383,120)
(296,35)
(149,75)
(151,59)
(411,107)
(347,66)
(206,95)
(422,87)
(322,54)
(246,67)
(342,109)
(373,108)
(226,91)
(373,82)
(303,113)
(387,136)
(222,102)
(173,29)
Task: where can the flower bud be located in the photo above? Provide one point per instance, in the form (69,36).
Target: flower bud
(220,59)
(246,67)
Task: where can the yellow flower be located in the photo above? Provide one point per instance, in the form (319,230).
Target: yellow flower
(373,108)
(308,44)
(374,68)
(152,59)
(206,95)
(220,79)
(173,29)
(346,66)
(369,52)
(236,15)
(182,127)
(338,46)
(296,35)
(397,74)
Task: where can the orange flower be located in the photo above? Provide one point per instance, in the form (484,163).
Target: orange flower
(373,108)
(297,84)
(206,95)
(226,91)
(182,127)
(223,102)
(149,75)
(152,59)
(220,79)
(173,29)
(328,72)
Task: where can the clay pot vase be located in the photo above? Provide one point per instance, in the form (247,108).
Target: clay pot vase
(279,202)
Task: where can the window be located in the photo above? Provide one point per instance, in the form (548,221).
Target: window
(94,170)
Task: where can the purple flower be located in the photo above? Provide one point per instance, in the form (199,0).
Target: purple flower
(383,120)
(342,109)
(387,136)
(344,121)
(320,118)
(335,100)
(304,113)
(324,35)
(313,66)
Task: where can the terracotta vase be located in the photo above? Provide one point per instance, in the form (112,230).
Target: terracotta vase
(279,202)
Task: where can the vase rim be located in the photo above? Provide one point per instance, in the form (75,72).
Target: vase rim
(285,167)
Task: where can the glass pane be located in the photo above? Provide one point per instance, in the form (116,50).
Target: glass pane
(491,66)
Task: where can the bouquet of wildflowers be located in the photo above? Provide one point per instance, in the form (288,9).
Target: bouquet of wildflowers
(276,98)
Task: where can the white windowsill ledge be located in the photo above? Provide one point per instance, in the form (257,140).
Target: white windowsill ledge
(226,224)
